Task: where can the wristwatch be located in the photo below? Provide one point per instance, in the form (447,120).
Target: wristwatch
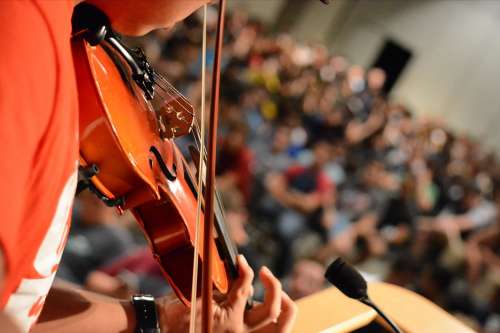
(145,314)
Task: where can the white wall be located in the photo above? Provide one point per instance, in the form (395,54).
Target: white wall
(455,70)
(266,10)
(315,22)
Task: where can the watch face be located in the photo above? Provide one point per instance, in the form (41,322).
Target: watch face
(149,298)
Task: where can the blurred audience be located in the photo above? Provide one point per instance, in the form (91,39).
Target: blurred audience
(315,161)
(95,239)
(307,278)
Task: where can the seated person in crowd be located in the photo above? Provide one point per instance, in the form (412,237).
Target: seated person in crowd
(366,203)
(234,161)
(307,278)
(273,157)
(306,200)
(136,272)
(483,252)
(96,239)
(479,212)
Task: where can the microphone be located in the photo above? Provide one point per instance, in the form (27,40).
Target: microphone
(352,284)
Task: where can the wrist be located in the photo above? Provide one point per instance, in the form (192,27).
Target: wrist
(129,310)
(173,315)
(160,310)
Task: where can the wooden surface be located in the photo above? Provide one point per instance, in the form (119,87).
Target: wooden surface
(330,312)
(412,312)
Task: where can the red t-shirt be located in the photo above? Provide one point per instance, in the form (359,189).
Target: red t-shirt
(239,163)
(321,182)
(39,145)
(310,181)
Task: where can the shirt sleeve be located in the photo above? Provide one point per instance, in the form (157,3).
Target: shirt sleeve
(482,215)
(293,172)
(26,97)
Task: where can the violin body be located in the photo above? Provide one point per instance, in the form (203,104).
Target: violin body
(139,168)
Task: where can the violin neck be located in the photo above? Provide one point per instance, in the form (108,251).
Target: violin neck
(224,242)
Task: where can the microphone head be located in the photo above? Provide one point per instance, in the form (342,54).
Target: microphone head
(347,279)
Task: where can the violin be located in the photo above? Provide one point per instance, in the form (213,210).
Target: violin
(129,118)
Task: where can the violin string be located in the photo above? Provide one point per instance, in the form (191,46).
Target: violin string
(171,88)
(168,88)
(194,283)
(167,92)
(168,85)
(198,136)
(164,95)
(199,139)
(171,91)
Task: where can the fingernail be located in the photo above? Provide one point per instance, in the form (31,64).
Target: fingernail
(265,269)
(243,259)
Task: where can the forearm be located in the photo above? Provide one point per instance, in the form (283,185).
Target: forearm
(464,224)
(358,131)
(68,309)
(285,197)
(305,203)
(423,196)
(7,324)
(490,257)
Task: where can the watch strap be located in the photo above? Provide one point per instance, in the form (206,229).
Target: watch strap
(145,314)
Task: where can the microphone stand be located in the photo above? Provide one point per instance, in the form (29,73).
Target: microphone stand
(352,284)
(368,301)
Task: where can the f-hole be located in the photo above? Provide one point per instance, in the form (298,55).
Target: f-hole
(170,174)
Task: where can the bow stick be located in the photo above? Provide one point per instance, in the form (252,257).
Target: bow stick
(208,230)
